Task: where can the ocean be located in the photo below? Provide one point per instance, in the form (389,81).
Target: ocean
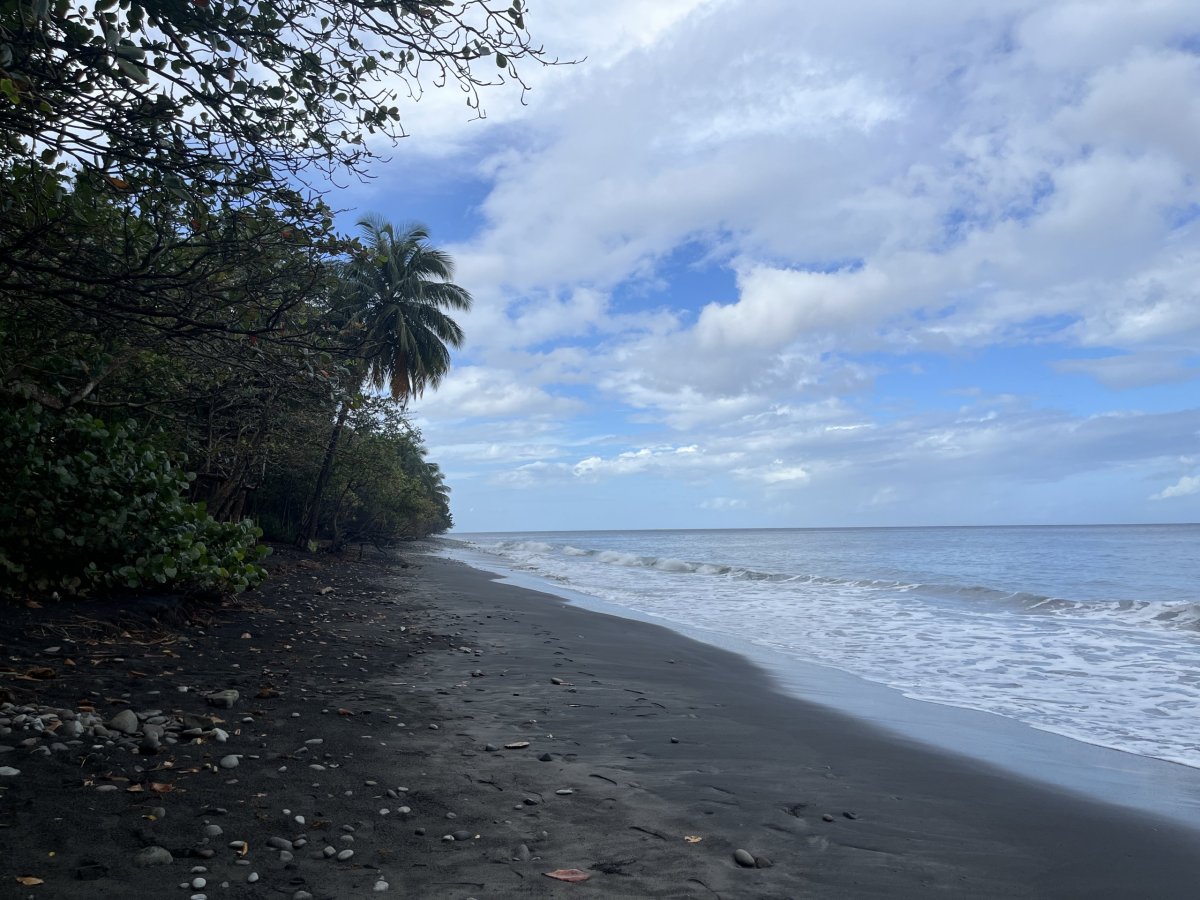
(1091,632)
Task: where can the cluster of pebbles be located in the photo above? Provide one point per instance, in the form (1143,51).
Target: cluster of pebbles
(44,730)
(41,730)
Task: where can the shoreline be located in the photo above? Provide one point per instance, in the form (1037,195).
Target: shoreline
(637,736)
(1058,759)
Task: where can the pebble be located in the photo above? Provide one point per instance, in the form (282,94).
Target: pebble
(223,699)
(302,895)
(743,858)
(126,722)
(762,862)
(461,835)
(152,856)
(827,818)
(279,843)
(344,855)
(213,831)
(546,757)
(381,886)
(9,772)
(252,877)
(286,856)
(198,883)
(229,762)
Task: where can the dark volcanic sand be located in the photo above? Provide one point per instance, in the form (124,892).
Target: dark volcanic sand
(655,736)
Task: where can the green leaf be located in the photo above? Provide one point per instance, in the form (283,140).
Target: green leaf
(133,70)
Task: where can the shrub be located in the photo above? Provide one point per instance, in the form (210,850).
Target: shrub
(87,505)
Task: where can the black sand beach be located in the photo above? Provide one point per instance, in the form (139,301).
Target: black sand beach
(379,713)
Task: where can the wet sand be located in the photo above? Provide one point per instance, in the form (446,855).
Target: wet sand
(399,690)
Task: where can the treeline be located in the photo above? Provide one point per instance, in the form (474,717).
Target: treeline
(191,356)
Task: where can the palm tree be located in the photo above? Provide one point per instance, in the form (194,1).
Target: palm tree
(403,285)
(397,289)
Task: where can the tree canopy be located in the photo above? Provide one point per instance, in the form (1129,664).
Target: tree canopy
(236,99)
(181,325)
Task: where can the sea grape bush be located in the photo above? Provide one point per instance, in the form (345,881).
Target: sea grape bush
(87,505)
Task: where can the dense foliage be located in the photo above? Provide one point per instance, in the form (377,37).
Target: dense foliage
(187,346)
(88,505)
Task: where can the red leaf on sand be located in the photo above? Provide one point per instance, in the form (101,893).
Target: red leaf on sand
(572,875)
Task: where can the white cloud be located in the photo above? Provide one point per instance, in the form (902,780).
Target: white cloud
(722,503)
(476,391)
(881,179)
(1185,486)
(1134,369)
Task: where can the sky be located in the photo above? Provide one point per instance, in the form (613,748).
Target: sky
(759,263)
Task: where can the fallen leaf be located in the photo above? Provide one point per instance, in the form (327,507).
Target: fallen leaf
(29,880)
(41,672)
(265,693)
(572,875)
(516,745)
(244,849)
(161,787)
(692,838)
(344,712)
(134,789)
(32,604)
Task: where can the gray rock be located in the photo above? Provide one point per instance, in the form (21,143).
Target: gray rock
(9,772)
(286,856)
(229,762)
(344,855)
(223,699)
(279,843)
(743,858)
(252,877)
(461,835)
(126,722)
(213,831)
(153,856)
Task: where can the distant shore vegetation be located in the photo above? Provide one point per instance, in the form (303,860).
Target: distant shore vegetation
(192,357)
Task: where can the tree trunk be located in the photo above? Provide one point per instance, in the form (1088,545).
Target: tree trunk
(308,531)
